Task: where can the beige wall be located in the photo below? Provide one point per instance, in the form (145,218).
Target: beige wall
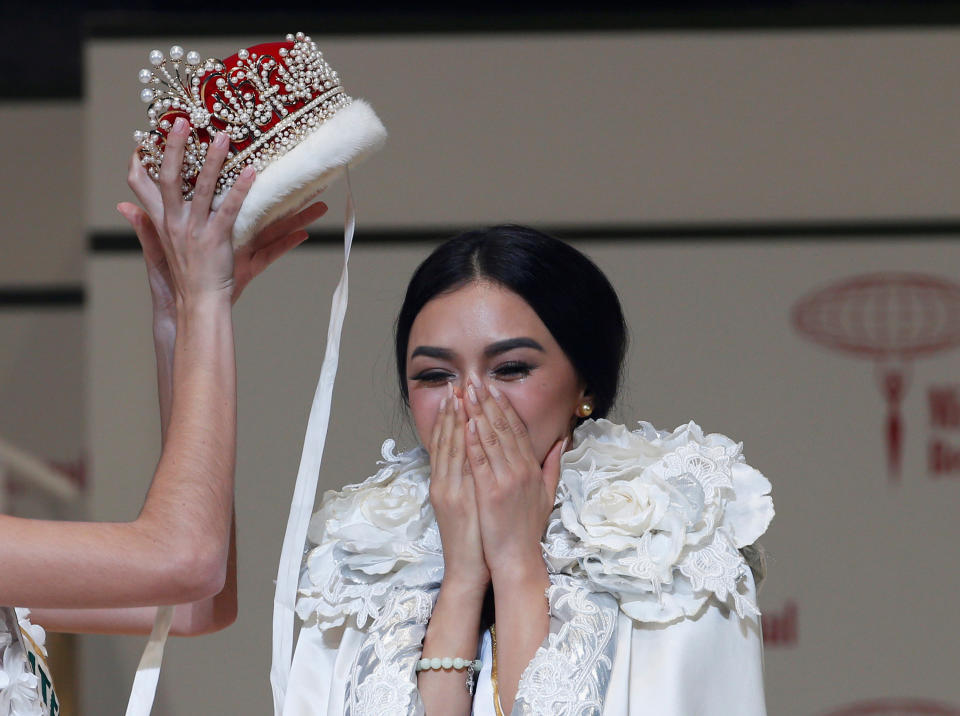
(41,244)
(606,130)
(42,238)
(567,129)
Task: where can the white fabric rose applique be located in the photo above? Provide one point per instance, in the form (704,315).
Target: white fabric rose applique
(370,539)
(657,519)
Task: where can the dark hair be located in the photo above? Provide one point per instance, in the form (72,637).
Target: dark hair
(567,291)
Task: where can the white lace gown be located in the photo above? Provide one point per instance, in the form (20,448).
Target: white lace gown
(653,607)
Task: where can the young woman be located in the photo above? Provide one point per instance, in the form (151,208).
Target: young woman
(531,557)
(104,577)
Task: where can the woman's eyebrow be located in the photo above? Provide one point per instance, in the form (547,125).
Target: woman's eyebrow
(433,352)
(509,344)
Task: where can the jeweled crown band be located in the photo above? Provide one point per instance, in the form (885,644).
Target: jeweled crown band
(267,99)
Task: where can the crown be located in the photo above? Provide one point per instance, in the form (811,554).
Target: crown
(271,100)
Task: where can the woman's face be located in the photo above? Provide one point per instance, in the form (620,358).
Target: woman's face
(487,330)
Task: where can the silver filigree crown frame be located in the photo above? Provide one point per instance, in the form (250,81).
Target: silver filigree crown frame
(266,103)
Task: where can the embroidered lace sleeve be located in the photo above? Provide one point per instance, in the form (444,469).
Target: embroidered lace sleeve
(383,679)
(568,675)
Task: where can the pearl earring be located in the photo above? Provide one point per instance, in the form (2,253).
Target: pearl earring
(585,409)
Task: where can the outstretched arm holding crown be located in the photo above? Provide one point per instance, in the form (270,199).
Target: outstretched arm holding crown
(181,548)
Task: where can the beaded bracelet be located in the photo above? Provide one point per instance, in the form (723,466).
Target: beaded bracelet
(456,663)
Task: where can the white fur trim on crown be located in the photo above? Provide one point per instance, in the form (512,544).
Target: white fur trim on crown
(290,182)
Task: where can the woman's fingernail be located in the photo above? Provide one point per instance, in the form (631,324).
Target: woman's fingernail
(456,404)
(221,140)
(247,172)
(472,425)
(472,394)
(178,124)
(443,404)
(494,391)
(449,390)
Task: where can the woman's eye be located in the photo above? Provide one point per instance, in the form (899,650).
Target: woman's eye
(513,370)
(432,376)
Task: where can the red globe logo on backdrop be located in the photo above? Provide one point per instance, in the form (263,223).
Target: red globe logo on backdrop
(896,707)
(891,319)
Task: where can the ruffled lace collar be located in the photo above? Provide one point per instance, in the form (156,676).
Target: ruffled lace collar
(655,518)
(370,539)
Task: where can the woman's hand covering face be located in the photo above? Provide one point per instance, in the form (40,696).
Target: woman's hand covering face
(453,496)
(515,493)
(491,496)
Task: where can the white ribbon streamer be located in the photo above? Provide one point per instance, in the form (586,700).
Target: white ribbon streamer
(305,491)
(148,672)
